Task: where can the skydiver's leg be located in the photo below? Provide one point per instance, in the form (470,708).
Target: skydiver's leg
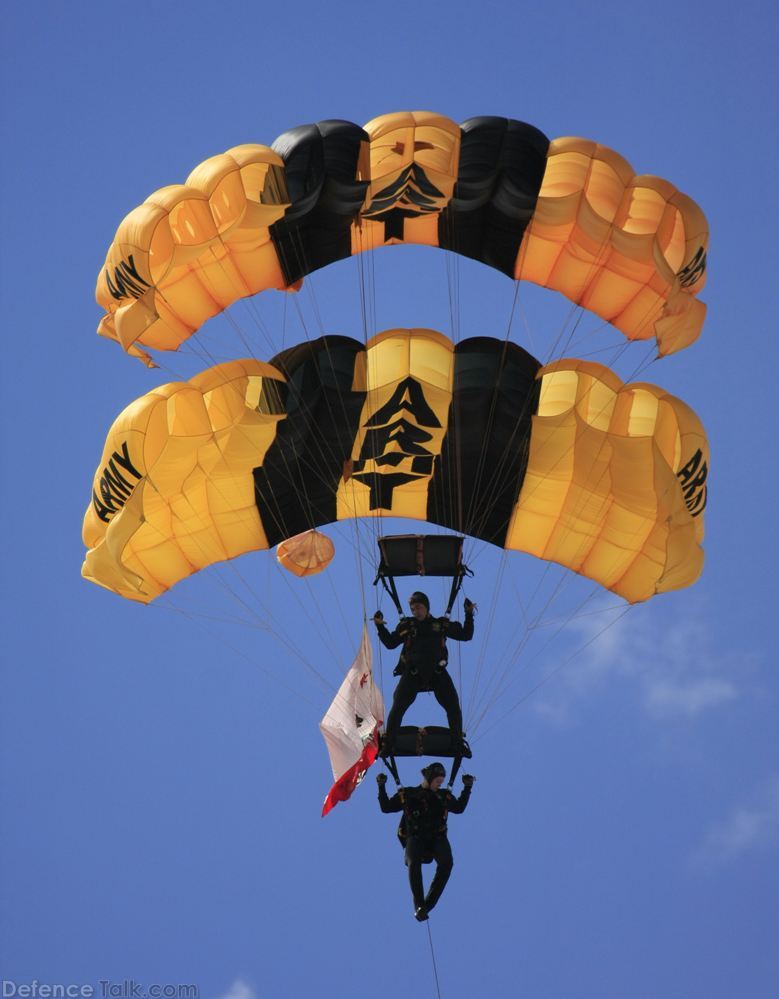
(442,852)
(415,850)
(446,695)
(405,695)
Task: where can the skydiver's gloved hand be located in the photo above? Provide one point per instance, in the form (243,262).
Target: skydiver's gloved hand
(469,606)
(468,780)
(381,779)
(378,618)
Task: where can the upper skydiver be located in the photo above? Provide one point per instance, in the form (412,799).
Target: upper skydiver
(423,661)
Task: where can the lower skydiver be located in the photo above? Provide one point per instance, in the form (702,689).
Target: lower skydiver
(422,830)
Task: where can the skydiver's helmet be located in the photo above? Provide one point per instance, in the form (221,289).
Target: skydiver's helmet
(419,598)
(432,771)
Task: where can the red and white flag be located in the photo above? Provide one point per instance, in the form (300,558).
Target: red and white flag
(351,726)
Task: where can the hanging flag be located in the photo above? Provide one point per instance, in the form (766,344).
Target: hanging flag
(351,726)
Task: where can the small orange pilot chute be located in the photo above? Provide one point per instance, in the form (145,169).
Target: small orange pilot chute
(306,554)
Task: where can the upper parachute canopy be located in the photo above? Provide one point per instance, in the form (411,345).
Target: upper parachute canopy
(569,214)
(564,461)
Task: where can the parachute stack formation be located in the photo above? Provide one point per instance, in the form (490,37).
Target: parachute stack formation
(562,461)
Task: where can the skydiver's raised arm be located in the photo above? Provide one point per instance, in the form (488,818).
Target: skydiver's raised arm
(462,632)
(457,805)
(390,640)
(387,804)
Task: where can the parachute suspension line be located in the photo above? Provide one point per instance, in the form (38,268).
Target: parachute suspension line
(284,321)
(476,696)
(369,295)
(575,309)
(360,575)
(356,535)
(324,447)
(475,518)
(486,682)
(198,621)
(487,630)
(302,318)
(515,661)
(381,669)
(563,624)
(366,281)
(432,957)
(452,263)
(501,682)
(366,295)
(448,502)
(366,276)
(255,596)
(526,325)
(555,670)
(310,290)
(208,290)
(263,625)
(322,630)
(465,520)
(198,350)
(251,308)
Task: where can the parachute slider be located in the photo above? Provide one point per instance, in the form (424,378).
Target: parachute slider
(421,555)
(432,740)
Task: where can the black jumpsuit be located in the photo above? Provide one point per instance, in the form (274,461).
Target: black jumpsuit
(422,666)
(423,833)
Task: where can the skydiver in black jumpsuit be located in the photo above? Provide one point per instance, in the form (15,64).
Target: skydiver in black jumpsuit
(422,664)
(423,830)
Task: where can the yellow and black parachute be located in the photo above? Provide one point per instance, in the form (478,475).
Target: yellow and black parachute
(568,214)
(563,461)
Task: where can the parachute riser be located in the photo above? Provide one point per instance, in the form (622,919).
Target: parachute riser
(457,584)
(391,589)
(391,765)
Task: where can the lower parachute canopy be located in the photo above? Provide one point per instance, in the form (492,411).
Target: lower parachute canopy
(562,461)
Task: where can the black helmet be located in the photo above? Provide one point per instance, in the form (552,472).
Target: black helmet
(419,598)
(433,770)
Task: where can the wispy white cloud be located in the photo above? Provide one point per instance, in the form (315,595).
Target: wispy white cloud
(672,662)
(240,990)
(688,698)
(750,827)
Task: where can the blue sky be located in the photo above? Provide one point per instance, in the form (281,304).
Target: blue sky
(162,769)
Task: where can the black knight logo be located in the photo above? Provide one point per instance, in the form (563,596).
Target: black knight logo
(392,440)
(411,195)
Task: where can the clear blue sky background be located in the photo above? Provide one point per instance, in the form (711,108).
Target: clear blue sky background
(162,770)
